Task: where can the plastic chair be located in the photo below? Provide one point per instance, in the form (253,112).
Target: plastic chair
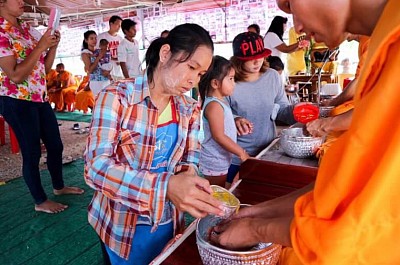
(13,138)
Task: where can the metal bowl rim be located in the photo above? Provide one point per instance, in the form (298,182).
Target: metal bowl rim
(297,137)
(225,251)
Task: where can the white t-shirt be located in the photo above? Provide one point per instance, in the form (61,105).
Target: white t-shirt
(113,42)
(271,41)
(128,52)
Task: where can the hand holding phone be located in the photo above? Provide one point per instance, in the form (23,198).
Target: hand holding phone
(54,19)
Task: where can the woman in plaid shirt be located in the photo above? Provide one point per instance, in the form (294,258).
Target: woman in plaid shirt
(143,150)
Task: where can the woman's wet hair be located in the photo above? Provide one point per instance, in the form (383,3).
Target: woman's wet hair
(183,41)
(219,69)
(86,36)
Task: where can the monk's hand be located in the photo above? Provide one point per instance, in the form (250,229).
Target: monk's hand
(318,127)
(235,234)
(261,210)
(192,194)
(243,126)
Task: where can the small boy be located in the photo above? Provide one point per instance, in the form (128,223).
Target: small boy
(105,62)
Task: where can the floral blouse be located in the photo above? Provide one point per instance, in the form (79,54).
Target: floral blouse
(96,75)
(20,45)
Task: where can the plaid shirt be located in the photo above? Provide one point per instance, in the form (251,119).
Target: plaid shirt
(118,158)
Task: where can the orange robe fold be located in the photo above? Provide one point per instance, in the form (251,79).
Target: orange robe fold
(363,44)
(84,99)
(353,214)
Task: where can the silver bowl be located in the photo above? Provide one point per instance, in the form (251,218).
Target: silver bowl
(295,144)
(262,254)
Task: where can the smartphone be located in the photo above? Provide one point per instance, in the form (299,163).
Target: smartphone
(54,19)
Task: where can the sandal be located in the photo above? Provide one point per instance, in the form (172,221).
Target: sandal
(76,127)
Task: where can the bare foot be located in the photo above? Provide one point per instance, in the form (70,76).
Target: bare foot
(68,190)
(50,207)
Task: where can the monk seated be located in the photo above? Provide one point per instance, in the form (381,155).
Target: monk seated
(62,89)
(84,99)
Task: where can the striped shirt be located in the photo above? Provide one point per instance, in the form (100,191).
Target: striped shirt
(119,155)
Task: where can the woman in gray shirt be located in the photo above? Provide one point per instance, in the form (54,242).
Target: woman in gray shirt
(258,98)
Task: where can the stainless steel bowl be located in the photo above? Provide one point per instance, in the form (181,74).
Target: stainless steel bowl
(295,144)
(262,254)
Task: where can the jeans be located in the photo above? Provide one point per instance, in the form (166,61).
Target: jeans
(232,171)
(32,121)
(146,245)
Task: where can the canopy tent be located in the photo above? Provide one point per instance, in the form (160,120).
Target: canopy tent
(76,12)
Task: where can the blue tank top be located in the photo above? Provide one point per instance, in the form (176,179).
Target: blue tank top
(166,138)
(213,157)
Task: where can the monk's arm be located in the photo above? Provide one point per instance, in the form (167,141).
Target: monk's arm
(279,207)
(336,123)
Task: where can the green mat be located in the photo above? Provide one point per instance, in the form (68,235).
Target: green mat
(29,237)
(74,116)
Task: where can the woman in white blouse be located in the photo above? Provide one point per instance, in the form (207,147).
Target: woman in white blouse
(273,40)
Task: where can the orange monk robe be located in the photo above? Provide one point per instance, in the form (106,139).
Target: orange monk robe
(70,92)
(51,79)
(65,96)
(84,98)
(353,214)
(288,257)
(363,43)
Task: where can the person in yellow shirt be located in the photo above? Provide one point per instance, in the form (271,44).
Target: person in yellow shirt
(295,60)
(352,214)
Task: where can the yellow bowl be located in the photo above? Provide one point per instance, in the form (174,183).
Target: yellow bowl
(230,202)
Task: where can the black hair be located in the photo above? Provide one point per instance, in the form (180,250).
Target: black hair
(277,26)
(60,65)
(275,63)
(103,42)
(183,39)
(113,19)
(127,24)
(219,69)
(164,32)
(256,27)
(86,36)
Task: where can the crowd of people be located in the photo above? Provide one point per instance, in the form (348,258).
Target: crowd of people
(107,57)
(144,159)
